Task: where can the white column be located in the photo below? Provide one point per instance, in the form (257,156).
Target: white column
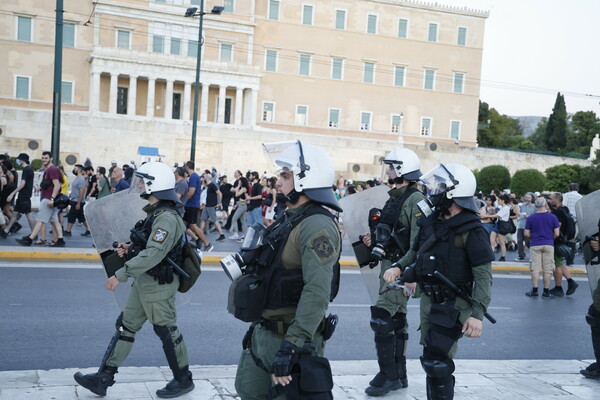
(187,93)
(132,95)
(221,109)
(169,100)
(112,96)
(253,106)
(239,96)
(150,103)
(95,92)
(204,103)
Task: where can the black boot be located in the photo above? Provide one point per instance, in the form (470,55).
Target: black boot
(98,382)
(387,378)
(441,388)
(179,385)
(401,339)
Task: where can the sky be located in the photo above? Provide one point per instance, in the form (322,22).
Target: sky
(536,48)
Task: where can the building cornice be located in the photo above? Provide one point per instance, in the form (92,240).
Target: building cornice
(435,6)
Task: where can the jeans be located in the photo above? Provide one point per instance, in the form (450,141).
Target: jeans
(522,241)
(255,216)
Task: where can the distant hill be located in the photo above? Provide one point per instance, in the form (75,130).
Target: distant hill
(529,124)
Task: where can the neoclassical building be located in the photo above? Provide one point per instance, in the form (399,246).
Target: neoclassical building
(358,77)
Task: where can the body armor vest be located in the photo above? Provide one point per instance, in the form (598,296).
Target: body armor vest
(390,215)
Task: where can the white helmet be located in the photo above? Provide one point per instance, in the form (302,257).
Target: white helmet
(455,181)
(406,163)
(312,168)
(159,181)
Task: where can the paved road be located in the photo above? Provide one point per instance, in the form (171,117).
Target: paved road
(61,316)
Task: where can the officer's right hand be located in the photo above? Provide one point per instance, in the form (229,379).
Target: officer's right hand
(122,249)
(367,239)
(595,244)
(392,274)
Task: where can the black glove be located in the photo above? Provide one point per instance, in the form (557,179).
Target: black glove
(285,358)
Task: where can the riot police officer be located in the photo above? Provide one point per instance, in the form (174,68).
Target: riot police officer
(593,319)
(304,249)
(396,230)
(152,295)
(452,242)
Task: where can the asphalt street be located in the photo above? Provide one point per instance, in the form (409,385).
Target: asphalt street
(60,316)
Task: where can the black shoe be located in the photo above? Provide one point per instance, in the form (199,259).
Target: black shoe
(221,238)
(86,233)
(67,233)
(531,293)
(520,259)
(59,243)
(98,382)
(547,295)
(572,288)
(3,234)
(502,259)
(176,387)
(592,371)
(25,241)
(15,228)
(381,385)
(557,291)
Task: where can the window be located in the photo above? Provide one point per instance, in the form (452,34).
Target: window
(122,100)
(402,28)
(22,87)
(337,67)
(372,23)
(274,10)
(462,37)
(24,26)
(192,48)
(429,79)
(396,120)
(271,60)
(432,32)
(301,115)
(175,46)
(454,130)
(304,64)
(123,39)
(426,126)
(158,43)
(69,35)
(340,19)
(66,92)
(268,111)
(228,4)
(226,52)
(458,82)
(334,117)
(399,76)
(307,14)
(365,121)
(368,72)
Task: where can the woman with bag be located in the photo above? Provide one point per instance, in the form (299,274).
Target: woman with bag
(269,201)
(503,226)
(241,192)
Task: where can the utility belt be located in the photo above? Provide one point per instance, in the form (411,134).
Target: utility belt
(163,273)
(280,327)
(441,293)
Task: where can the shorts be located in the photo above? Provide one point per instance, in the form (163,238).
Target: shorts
(191,215)
(209,213)
(23,205)
(225,204)
(558,260)
(542,257)
(75,214)
(47,214)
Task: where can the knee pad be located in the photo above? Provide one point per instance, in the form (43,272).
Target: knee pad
(399,321)
(437,369)
(593,317)
(381,321)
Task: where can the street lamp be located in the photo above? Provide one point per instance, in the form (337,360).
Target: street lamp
(193,12)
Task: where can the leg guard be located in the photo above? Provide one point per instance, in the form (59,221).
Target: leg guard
(387,379)
(381,321)
(98,382)
(182,377)
(440,381)
(401,341)
(127,340)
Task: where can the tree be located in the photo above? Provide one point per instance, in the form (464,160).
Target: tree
(559,177)
(538,137)
(584,125)
(527,180)
(556,130)
(493,177)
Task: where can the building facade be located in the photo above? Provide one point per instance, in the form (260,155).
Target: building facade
(357,77)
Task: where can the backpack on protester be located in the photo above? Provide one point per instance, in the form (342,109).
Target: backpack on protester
(570,229)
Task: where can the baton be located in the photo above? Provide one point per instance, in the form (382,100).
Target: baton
(396,285)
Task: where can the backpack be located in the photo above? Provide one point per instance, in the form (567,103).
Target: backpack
(570,229)
(190,263)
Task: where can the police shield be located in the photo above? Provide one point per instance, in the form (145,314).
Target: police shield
(111,219)
(356,223)
(588,216)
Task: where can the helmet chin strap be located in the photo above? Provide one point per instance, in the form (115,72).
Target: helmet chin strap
(145,196)
(292,197)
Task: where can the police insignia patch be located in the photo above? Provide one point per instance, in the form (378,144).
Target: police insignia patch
(322,247)
(160,235)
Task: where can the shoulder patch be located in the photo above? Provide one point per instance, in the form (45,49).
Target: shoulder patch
(322,246)
(160,235)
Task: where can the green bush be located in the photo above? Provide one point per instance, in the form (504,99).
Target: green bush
(493,177)
(527,180)
(559,177)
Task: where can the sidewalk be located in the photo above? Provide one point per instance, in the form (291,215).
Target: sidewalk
(475,380)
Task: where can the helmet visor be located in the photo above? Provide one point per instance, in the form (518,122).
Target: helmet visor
(254,237)
(438,180)
(284,155)
(137,184)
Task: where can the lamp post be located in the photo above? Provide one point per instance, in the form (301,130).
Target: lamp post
(56,96)
(193,12)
